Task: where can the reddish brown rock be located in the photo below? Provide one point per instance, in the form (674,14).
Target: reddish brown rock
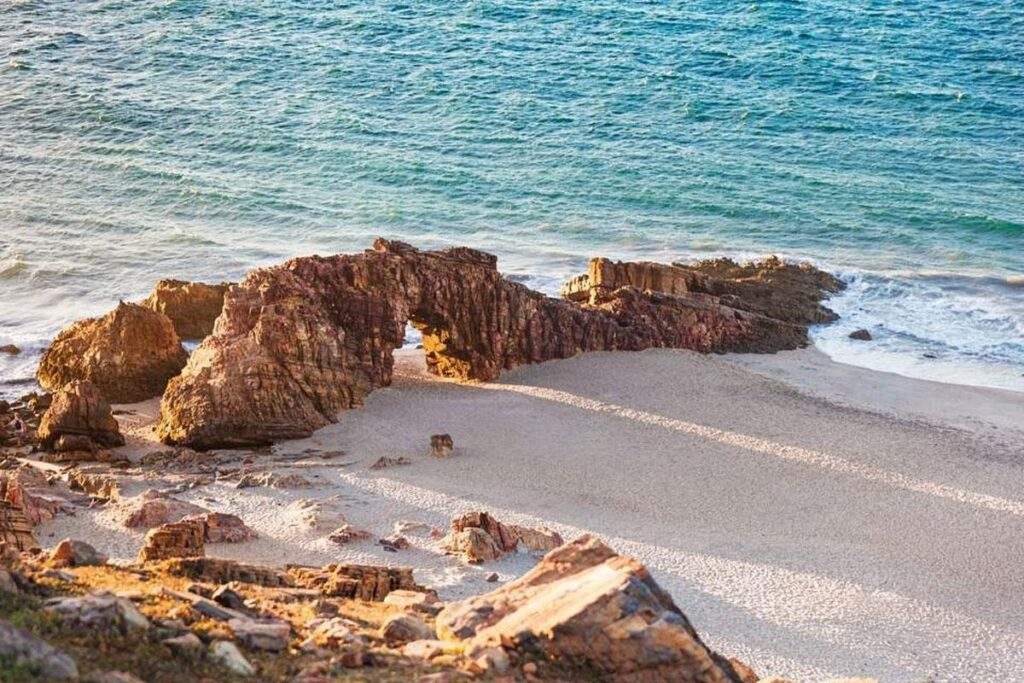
(191,306)
(28,490)
(180,539)
(585,606)
(153,508)
(441,445)
(219,527)
(97,485)
(355,581)
(77,416)
(479,537)
(771,287)
(129,354)
(15,529)
(298,343)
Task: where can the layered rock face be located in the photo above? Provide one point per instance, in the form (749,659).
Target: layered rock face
(129,354)
(79,410)
(771,287)
(191,306)
(589,608)
(298,343)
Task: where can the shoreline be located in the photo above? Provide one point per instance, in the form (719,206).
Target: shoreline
(796,532)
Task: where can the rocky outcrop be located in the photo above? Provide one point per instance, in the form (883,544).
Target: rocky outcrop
(585,608)
(220,527)
(355,581)
(771,287)
(191,306)
(79,410)
(298,343)
(129,354)
(15,528)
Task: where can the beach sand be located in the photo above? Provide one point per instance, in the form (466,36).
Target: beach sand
(810,518)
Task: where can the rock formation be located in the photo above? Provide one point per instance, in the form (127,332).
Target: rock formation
(129,354)
(479,537)
(191,306)
(15,528)
(178,539)
(771,287)
(597,613)
(79,410)
(298,343)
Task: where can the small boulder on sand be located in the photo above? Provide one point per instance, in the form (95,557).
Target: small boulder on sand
(78,417)
(152,508)
(177,539)
(441,445)
(73,553)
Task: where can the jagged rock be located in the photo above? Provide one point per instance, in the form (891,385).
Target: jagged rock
(99,611)
(178,539)
(152,508)
(441,445)
(10,349)
(773,288)
(97,485)
(861,335)
(78,412)
(399,629)
(191,306)
(355,581)
(73,553)
(258,635)
(27,490)
(585,605)
(129,354)
(479,537)
(21,647)
(298,343)
(385,461)
(15,529)
(228,655)
(219,527)
(347,533)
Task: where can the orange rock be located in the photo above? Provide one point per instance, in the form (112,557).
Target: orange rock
(585,605)
(79,410)
(129,354)
(191,306)
(179,539)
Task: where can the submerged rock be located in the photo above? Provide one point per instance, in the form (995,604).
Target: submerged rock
(192,307)
(298,343)
(585,606)
(861,335)
(10,349)
(129,354)
(79,411)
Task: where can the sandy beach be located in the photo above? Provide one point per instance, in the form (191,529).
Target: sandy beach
(811,518)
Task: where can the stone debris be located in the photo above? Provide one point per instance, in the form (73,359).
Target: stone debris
(21,647)
(96,485)
(192,307)
(177,539)
(129,354)
(73,553)
(298,343)
(441,445)
(585,605)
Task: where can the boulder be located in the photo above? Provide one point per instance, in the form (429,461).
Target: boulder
(473,544)
(73,553)
(226,596)
(15,529)
(77,417)
(178,539)
(399,629)
(10,349)
(333,633)
(185,645)
(230,657)
(129,354)
(219,527)
(861,335)
(260,635)
(355,581)
(96,485)
(192,307)
(479,537)
(20,647)
(298,343)
(587,607)
(347,533)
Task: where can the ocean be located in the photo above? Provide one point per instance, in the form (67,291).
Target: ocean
(193,139)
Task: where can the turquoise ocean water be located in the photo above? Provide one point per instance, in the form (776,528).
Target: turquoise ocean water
(883,140)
